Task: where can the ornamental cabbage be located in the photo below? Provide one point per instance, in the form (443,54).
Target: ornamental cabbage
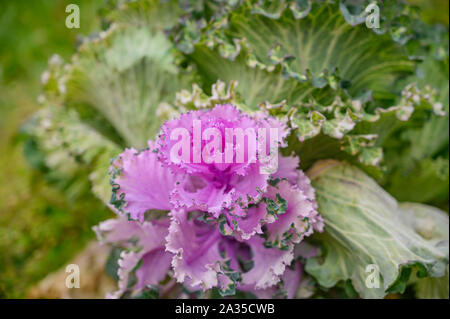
(259,148)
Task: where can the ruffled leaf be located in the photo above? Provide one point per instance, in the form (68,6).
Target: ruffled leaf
(365,226)
(72,147)
(141,183)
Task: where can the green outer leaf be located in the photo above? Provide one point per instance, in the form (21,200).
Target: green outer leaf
(320,63)
(155,15)
(256,84)
(323,40)
(307,49)
(364,225)
(115,92)
(418,155)
(71,146)
(125,77)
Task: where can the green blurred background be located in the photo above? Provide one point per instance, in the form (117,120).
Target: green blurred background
(42,225)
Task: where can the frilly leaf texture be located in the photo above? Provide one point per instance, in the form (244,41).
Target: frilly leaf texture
(366,226)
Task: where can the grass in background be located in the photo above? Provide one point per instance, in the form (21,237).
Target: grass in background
(40,229)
